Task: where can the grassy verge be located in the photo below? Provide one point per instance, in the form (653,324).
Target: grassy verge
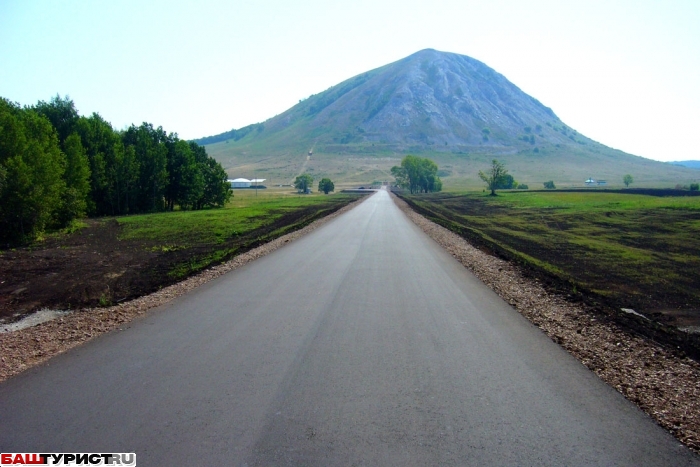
(194,240)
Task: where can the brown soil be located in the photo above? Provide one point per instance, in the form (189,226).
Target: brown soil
(93,267)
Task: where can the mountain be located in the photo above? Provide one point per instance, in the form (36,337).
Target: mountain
(450,107)
(691,164)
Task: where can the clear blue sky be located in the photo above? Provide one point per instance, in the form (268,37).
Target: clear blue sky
(625,73)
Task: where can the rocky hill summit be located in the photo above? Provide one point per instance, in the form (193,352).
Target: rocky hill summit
(436,100)
(449,107)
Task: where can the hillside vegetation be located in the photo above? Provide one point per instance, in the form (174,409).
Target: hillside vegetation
(450,108)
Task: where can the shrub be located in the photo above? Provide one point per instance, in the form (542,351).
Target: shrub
(522,186)
(549,185)
(694,187)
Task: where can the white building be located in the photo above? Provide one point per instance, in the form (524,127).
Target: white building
(245,183)
(593,182)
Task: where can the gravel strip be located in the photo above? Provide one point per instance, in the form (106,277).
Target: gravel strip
(25,348)
(663,385)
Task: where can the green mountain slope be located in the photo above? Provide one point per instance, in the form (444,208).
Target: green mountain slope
(450,107)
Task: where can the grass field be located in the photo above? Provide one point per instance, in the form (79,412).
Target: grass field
(209,236)
(636,251)
(110,260)
(357,164)
(245,212)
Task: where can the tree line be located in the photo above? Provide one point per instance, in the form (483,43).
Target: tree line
(417,174)
(56,166)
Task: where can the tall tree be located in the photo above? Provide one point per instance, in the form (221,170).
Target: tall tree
(217,190)
(303,183)
(494,176)
(152,157)
(417,174)
(98,140)
(62,114)
(32,165)
(326,185)
(185,179)
(74,200)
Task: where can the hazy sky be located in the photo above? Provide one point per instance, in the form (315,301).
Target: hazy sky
(625,73)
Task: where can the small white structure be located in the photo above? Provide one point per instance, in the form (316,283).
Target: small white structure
(594,182)
(244,182)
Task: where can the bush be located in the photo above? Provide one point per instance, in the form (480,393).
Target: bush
(522,186)
(549,185)
(694,187)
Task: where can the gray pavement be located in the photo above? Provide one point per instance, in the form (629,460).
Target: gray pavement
(363,343)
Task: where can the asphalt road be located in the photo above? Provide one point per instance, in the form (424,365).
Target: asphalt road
(363,343)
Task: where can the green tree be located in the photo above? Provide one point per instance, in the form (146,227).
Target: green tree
(507,182)
(152,156)
(495,176)
(185,180)
(32,167)
(303,183)
(100,142)
(62,114)
(217,190)
(74,200)
(549,185)
(429,180)
(417,174)
(400,175)
(326,185)
(627,180)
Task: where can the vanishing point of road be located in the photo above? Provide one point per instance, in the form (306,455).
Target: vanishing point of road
(362,343)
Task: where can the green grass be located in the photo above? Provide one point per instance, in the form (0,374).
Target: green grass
(197,239)
(641,251)
(245,213)
(593,201)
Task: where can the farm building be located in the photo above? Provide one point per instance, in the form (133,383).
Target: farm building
(245,183)
(593,182)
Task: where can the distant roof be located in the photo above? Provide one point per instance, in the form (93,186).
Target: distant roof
(241,180)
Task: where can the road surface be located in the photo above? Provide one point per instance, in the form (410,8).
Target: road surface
(363,343)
